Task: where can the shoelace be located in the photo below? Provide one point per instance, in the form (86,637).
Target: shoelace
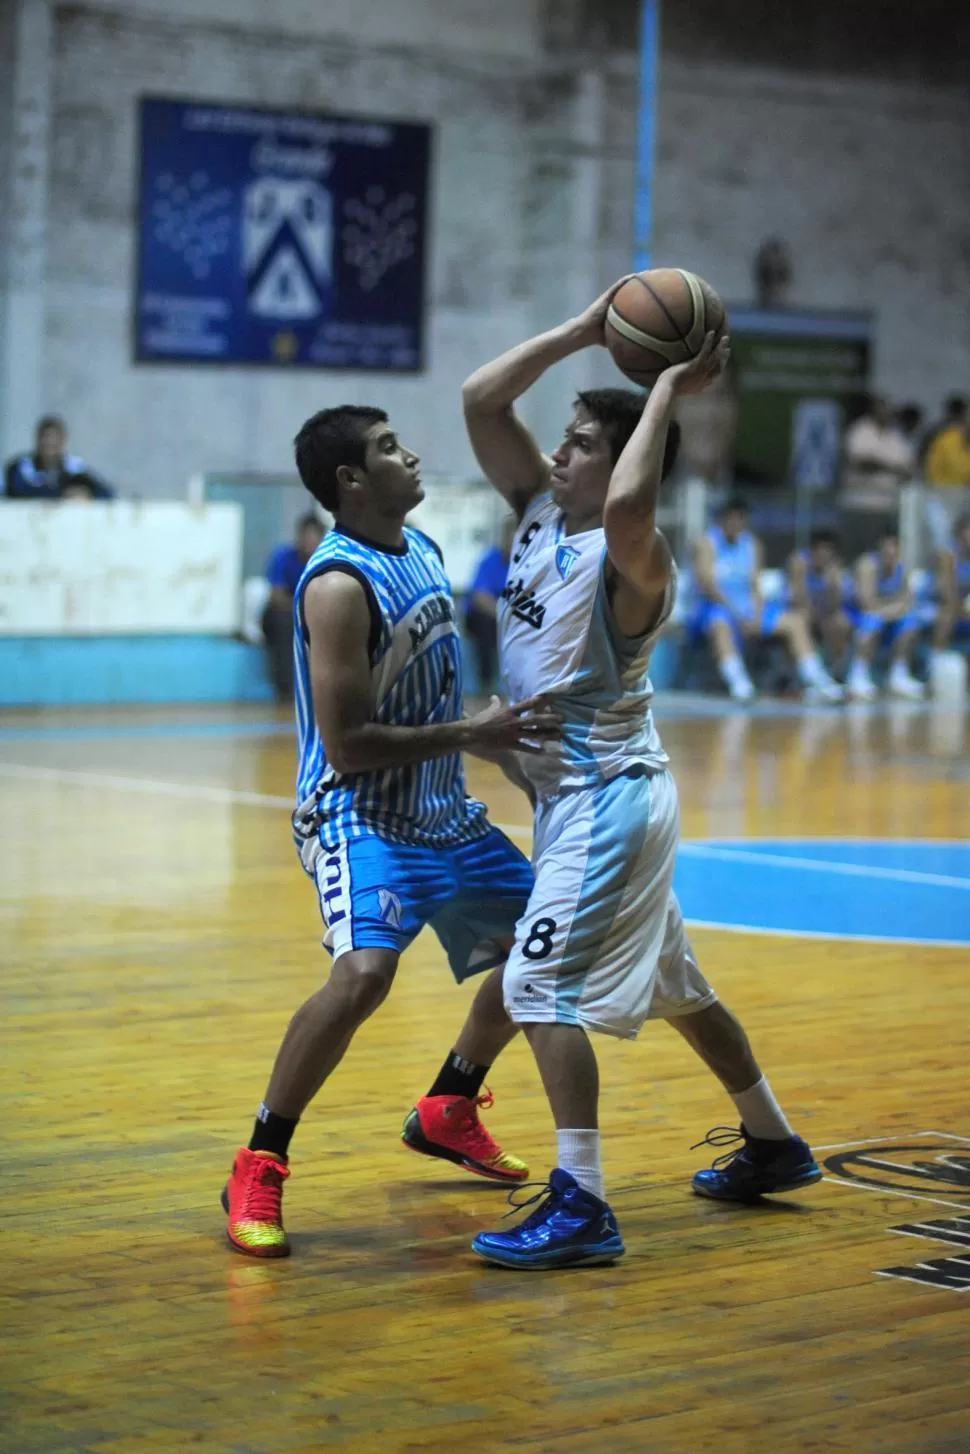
(479,1139)
(724,1136)
(546,1194)
(264,1192)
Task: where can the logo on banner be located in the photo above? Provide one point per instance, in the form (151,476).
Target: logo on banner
(287,248)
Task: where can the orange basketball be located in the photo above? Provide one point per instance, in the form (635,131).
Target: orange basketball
(659,318)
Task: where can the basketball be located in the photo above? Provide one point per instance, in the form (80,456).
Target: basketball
(659,318)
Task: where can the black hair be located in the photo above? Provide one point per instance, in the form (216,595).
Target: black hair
(50,421)
(735,505)
(824,537)
(329,439)
(889,532)
(618,411)
(956,406)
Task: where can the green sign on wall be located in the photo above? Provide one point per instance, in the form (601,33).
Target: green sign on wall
(798,375)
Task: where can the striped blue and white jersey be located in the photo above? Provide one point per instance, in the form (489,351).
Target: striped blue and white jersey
(557,636)
(416,680)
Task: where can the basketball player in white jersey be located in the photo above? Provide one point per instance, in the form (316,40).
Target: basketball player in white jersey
(602,945)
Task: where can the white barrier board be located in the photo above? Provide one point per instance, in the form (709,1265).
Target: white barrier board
(119,567)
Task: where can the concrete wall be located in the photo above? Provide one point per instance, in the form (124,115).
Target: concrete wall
(532,200)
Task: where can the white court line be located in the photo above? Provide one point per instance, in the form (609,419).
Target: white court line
(821,865)
(730,841)
(203,792)
(824,934)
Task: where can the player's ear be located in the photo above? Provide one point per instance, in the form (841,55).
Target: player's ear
(348,475)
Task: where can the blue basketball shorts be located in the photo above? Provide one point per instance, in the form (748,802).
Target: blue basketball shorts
(707,612)
(869,623)
(380,895)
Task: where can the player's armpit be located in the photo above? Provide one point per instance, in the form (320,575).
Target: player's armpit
(637,577)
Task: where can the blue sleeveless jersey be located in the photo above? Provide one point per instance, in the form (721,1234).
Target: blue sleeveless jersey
(416,681)
(734,566)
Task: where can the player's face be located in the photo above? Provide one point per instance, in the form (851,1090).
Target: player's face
(582,466)
(889,552)
(733,524)
(50,444)
(393,478)
(822,555)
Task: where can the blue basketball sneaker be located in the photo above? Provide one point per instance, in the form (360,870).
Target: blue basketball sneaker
(569,1226)
(754,1168)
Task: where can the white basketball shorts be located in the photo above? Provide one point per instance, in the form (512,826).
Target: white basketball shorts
(602,942)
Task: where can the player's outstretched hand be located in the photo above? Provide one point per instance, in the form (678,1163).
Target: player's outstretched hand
(592,320)
(522,726)
(702,370)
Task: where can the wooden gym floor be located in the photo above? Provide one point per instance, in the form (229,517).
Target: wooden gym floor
(157,933)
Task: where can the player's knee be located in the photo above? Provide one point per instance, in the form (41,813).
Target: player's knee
(363,987)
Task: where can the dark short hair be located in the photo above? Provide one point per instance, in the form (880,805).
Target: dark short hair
(956,406)
(889,532)
(329,439)
(824,537)
(618,412)
(735,505)
(50,421)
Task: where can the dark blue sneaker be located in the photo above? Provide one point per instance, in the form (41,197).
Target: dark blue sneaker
(569,1226)
(754,1168)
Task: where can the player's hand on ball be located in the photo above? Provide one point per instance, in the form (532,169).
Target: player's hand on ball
(592,320)
(522,726)
(702,370)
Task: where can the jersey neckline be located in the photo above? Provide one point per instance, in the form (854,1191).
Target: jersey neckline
(371,544)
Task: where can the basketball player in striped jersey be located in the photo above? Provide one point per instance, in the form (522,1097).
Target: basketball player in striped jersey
(601,946)
(383,823)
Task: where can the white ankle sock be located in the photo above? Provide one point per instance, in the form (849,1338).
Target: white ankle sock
(579,1154)
(811,672)
(733,671)
(761,1113)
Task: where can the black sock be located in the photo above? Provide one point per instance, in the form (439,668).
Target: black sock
(272,1133)
(459,1077)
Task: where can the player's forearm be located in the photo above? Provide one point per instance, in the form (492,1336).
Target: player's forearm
(636,479)
(373,746)
(497,385)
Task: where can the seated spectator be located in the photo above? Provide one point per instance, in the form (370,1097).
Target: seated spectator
(818,587)
(884,613)
(283,571)
(952,589)
(947,472)
(482,604)
(877,461)
(728,610)
(45,473)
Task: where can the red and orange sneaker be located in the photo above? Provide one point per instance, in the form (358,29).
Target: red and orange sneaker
(449,1127)
(253,1199)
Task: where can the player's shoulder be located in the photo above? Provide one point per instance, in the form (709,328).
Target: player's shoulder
(539,509)
(423,542)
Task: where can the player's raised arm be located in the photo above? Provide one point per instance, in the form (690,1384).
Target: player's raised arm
(637,552)
(504,447)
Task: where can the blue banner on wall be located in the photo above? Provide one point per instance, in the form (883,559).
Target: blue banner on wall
(277,237)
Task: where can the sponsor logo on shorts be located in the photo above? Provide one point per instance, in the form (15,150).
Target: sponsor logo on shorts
(390,908)
(530,996)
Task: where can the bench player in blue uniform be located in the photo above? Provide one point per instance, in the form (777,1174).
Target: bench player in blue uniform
(819,586)
(727,609)
(383,823)
(884,614)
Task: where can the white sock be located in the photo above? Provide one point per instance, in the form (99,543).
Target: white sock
(899,671)
(579,1154)
(811,672)
(733,671)
(761,1113)
(859,674)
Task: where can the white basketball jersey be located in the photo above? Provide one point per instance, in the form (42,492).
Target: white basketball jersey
(557,636)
